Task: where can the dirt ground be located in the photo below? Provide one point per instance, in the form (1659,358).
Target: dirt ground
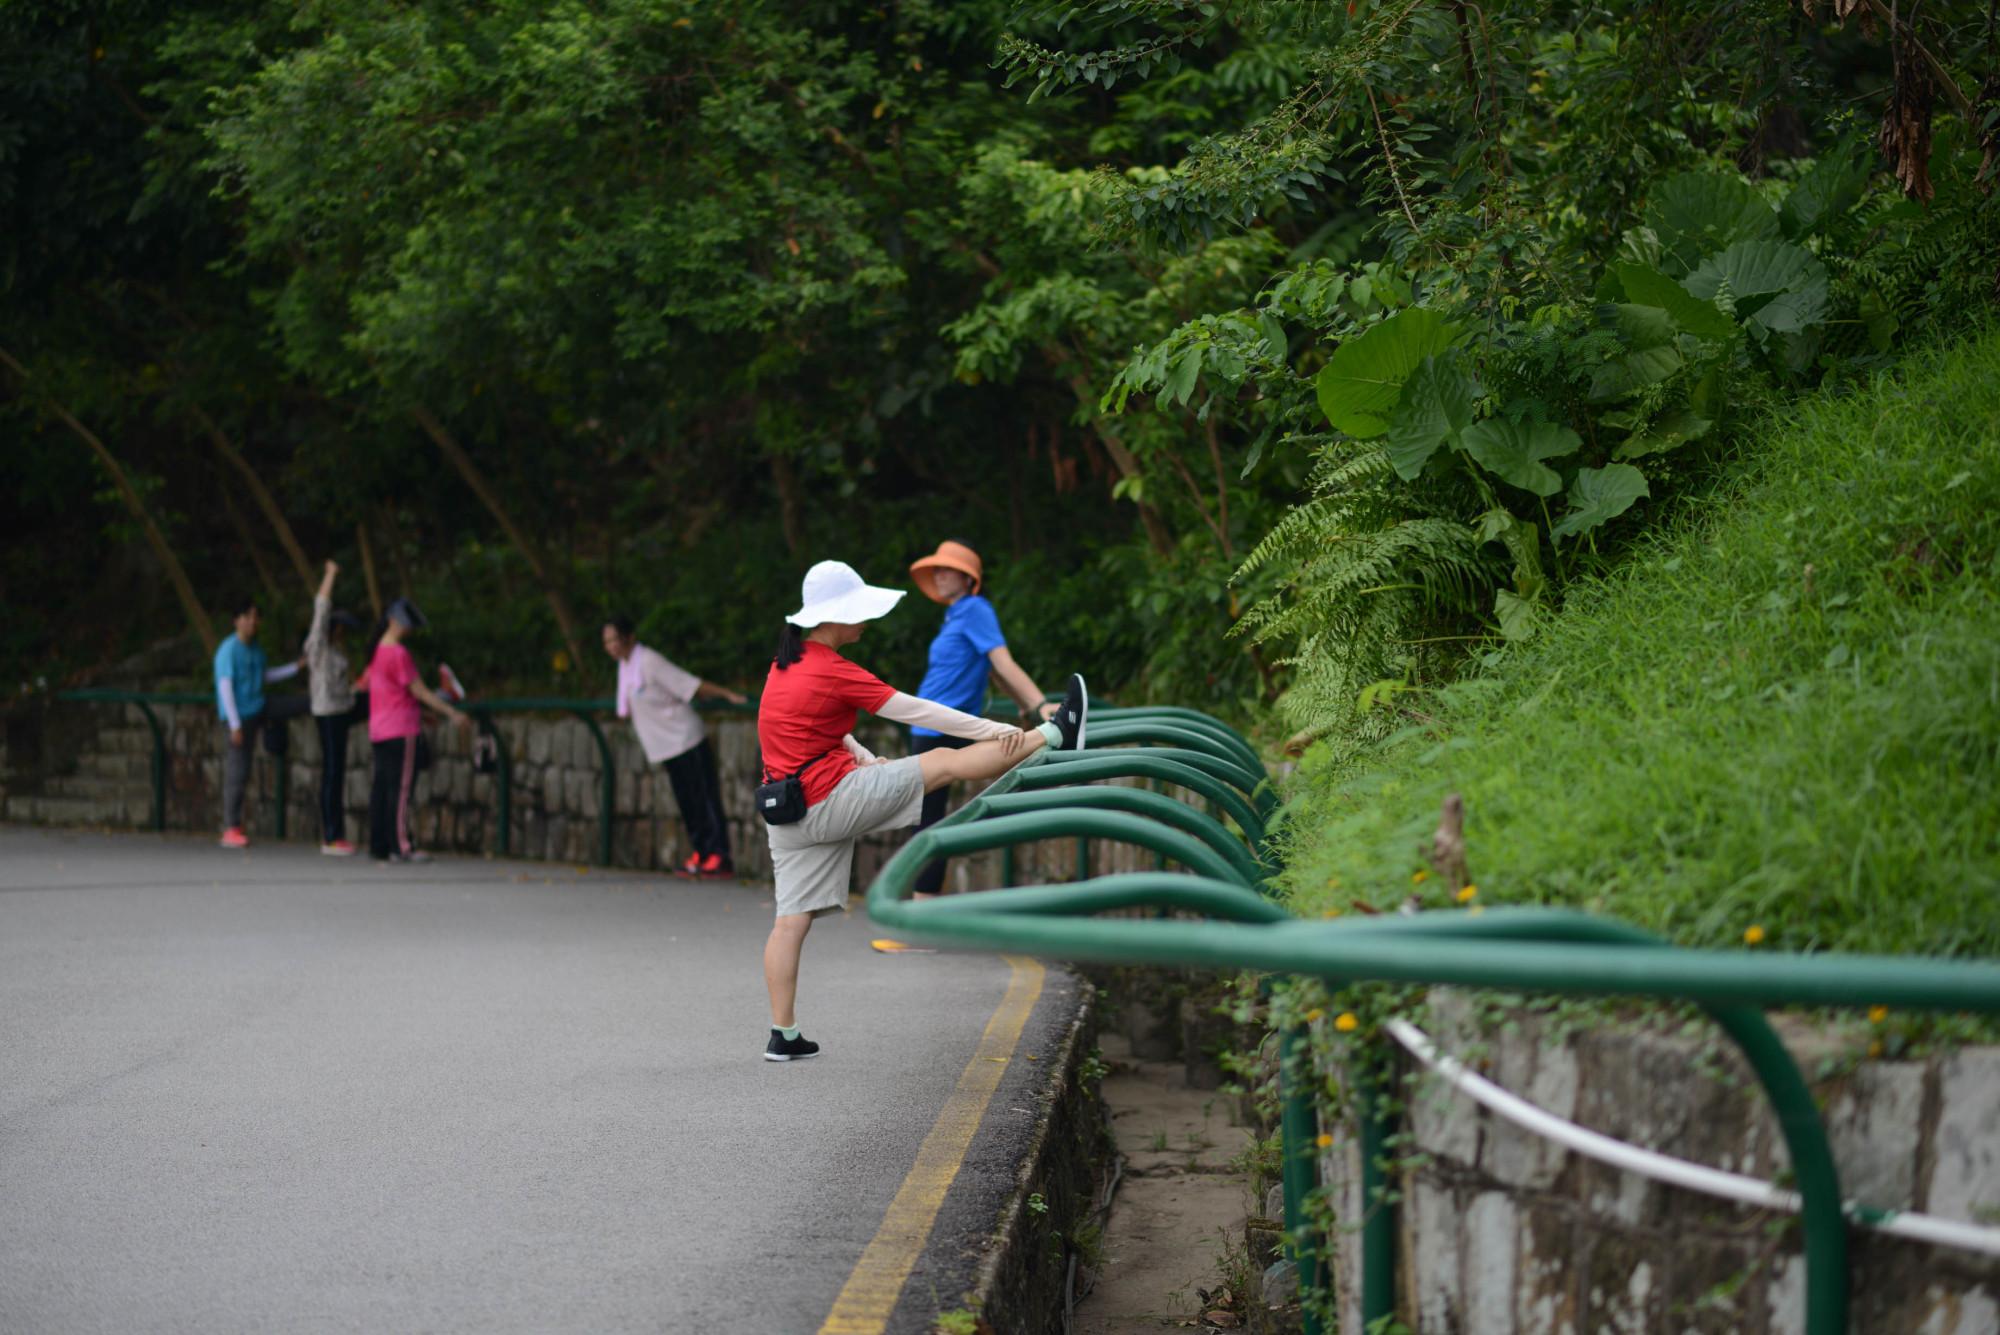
(1180,1205)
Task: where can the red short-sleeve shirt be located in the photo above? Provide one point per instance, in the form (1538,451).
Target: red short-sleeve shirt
(805,711)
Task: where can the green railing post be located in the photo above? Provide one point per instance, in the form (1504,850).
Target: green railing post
(284,784)
(503,787)
(159,766)
(1378,1213)
(607,788)
(1821,1213)
(1298,1140)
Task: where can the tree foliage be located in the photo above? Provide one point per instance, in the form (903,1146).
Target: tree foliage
(1584,276)
(553,308)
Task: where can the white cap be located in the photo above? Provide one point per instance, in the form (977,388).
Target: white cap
(832,591)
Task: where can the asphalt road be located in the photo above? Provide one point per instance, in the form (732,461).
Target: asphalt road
(270,1091)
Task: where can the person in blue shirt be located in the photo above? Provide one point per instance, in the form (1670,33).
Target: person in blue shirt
(968,649)
(240,678)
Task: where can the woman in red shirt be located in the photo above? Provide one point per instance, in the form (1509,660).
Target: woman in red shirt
(805,725)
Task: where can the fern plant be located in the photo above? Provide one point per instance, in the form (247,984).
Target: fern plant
(1361,564)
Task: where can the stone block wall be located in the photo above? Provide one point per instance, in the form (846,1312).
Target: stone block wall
(1504,1231)
(89,765)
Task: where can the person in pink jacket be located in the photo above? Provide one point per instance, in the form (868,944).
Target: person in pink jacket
(395,718)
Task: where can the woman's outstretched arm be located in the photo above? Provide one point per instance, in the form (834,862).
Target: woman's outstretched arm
(901,708)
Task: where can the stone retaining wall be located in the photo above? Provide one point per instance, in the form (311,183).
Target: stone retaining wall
(89,765)
(1503,1231)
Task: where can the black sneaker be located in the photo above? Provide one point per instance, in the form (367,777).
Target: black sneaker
(782,1049)
(1071,715)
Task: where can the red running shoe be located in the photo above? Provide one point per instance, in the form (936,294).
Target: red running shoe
(715,867)
(233,837)
(691,868)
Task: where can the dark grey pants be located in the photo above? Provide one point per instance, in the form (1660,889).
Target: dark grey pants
(277,711)
(930,880)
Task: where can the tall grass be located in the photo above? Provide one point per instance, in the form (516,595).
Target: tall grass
(1783,712)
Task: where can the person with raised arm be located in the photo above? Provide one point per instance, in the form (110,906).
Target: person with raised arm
(332,694)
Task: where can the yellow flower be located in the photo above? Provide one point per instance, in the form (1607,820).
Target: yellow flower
(1877,1014)
(1753,934)
(1874,1049)
(1325,1140)
(1467,895)
(1419,876)
(1346,1023)
(561,661)
(1315,1014)
(1331,913)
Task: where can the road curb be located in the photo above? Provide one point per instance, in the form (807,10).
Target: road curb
(1021,1279)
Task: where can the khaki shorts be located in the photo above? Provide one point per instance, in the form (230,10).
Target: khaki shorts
(812,860)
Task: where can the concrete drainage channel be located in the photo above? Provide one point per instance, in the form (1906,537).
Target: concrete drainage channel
(1054,1242)
(1025,1280)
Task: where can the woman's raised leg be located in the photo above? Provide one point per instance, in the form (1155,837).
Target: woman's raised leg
(981,760)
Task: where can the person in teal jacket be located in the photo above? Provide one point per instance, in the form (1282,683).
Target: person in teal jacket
(240,678)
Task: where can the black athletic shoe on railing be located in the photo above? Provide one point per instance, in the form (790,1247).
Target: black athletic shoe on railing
(1072,714)
(782,1049)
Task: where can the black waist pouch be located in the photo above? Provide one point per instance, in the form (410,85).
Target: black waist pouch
(783,801)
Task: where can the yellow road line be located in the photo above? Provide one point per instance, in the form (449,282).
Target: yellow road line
(870,1293)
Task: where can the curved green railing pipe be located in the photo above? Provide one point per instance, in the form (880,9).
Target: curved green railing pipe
(607,775)
(1177,736)
(1232,742)
(1252,784)
(158,768)
(1336,949)
(1138,801)
(1227,900)
(1545,950)
(1143,764)
(956,840)
(1177,713)
(503,786)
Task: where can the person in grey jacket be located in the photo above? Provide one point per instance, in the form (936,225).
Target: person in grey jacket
(333,711)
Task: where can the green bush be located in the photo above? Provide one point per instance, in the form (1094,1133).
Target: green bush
(1783,711)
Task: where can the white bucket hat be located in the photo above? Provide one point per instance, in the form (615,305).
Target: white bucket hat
(834,592)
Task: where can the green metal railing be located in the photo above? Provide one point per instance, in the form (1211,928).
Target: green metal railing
(1527,950)
(482,712)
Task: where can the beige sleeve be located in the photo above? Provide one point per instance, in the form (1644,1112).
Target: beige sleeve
(901,708)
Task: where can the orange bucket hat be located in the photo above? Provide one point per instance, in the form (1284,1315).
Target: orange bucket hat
(949,556)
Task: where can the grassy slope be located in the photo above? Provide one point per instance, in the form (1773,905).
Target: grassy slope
(1714,737)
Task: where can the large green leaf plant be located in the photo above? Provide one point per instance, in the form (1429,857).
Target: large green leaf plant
(1707,290)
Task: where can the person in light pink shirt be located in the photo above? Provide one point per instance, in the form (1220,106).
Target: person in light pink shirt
(396,694)
(659,697)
